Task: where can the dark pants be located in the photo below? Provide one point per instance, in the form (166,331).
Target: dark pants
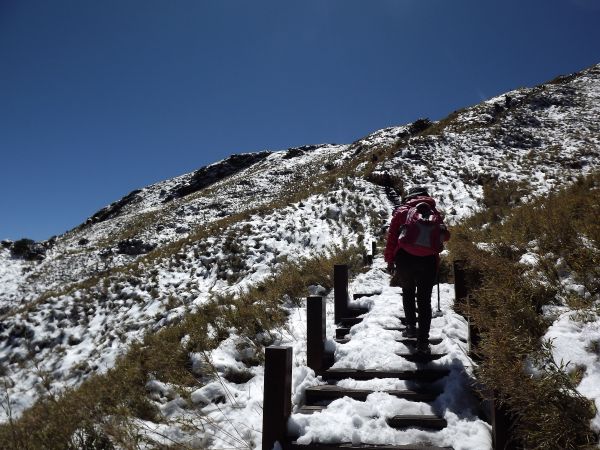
(417,276)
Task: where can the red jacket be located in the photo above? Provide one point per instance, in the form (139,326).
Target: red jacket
(399,219)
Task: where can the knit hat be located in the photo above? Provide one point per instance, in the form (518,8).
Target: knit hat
(416,192)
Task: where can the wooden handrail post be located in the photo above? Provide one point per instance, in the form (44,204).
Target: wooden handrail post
(340,291)
(315,333)
(463,303)
(501,422)
(460,282)
(373,248)
(277,404)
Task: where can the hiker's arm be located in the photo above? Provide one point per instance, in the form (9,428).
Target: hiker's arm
(392,238)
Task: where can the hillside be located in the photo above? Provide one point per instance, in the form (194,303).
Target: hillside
(72,305)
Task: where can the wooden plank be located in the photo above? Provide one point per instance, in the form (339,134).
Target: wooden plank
(315,333)
(421,357)
(340,291)
(277,400)
(394,328)
(329,392)
(460,282)
(310,409)
(502,423)
(354,311)
(430,374)
(412,342)
(341,332)
(416,421)
(349,321)
(406,341)
(348,446)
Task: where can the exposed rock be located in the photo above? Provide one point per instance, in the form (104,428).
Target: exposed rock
(114,209)
(83,241)
(293,153)
(20,330)
(134,247)
(333,212)
(299,151)
(74,340)
(561,96)
(6,243)
(106,252)
(520,138)
(206,176)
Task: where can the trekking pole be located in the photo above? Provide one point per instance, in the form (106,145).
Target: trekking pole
(439,312)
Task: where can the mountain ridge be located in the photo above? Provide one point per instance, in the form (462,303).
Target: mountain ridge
(146,261)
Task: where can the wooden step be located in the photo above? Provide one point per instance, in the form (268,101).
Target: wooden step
(329,392)
(348,446)
(349,321)
(310,409)
(416,421)
(341,332)
(412,342)
(353,311)
(364,294)
(406,341)
(421,357)
(430,374)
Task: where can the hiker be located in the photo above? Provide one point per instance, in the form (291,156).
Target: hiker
(415,239)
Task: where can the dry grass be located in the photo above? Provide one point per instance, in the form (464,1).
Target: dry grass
(507,299)
(100,412)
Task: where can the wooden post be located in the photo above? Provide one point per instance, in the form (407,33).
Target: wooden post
(463,303)
(501,422)
(460,282)
(373,248)
(315,333)
(340,291)
(277,404)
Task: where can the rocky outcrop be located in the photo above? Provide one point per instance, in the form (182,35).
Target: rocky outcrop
(299,151)
(134,247)
(114,209)
(206,176)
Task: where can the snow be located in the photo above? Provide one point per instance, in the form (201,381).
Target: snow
(11,273)
(371,347)
(577,344)
(229,414)
(63,331)
(73,338)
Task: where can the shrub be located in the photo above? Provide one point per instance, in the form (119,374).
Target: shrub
(506,303)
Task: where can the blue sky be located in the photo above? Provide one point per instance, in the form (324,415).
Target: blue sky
(100,98)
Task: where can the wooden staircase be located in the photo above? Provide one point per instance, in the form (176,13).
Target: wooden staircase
(422,383)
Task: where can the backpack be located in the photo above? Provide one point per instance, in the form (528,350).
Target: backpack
(424,227)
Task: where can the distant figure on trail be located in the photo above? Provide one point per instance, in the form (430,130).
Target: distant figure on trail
(415,239)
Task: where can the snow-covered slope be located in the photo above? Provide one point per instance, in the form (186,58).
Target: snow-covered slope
(543,137)
(145,260)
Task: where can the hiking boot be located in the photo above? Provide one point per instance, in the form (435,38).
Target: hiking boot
(423,347)
(410,332)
